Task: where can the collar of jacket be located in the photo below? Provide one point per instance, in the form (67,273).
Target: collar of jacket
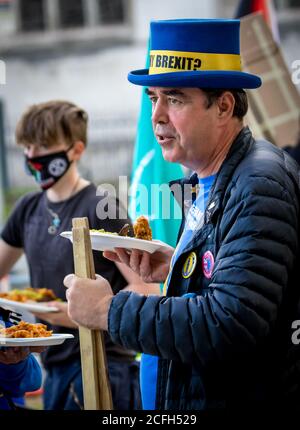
(240,146)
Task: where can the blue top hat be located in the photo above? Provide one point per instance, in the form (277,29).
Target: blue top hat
(202,53)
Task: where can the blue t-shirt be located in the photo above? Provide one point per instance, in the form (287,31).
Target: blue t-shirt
(148,377)
(194,218)
(148,369)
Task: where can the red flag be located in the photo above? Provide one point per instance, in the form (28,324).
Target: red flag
(245,7)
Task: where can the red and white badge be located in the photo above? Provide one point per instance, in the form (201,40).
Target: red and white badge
(208,263)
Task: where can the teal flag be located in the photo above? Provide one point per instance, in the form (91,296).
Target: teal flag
(150,194)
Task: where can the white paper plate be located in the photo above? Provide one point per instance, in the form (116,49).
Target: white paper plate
(55,339)
(31,307)
(107,242)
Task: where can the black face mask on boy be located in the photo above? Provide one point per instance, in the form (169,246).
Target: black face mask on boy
(48,169)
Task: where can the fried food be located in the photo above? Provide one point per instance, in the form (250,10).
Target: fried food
(25,329)
(33,294)
(142,229)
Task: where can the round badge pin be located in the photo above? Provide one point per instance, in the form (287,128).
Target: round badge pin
(208,263)
(189,265)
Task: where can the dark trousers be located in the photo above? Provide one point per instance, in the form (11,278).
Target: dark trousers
(63,386)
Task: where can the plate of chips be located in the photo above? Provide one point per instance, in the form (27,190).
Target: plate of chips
(54,339)
(30,299)
(30,306)
(28,334)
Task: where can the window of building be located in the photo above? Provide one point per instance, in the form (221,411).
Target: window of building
(294,3)
(286,4)
(111,11)
(71,13)
(32,15)
(39,15)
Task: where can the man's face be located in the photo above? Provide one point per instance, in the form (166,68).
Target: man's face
(184,127)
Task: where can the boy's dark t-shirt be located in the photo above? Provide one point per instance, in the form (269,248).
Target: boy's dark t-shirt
(50,257)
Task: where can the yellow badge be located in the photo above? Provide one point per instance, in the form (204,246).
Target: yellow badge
(189,265)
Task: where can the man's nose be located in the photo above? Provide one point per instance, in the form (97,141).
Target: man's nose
(160,113)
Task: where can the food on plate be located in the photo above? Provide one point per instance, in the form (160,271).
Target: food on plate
(101,230)
(142,229)
(30,294)
(25,329)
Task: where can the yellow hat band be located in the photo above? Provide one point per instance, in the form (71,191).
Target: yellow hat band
(179,61)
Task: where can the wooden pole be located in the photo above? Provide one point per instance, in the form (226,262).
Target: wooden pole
(96,387)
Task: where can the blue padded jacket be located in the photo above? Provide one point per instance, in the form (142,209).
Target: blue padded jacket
(227,343)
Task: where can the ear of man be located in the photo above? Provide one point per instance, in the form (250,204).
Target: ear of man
(225,106)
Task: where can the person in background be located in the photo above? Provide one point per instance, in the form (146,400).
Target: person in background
(54,138)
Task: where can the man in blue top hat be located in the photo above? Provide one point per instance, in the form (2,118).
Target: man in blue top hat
(223,331)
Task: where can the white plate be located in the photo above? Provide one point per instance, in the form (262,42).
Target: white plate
(31,307)
(107,242)
(55,339)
